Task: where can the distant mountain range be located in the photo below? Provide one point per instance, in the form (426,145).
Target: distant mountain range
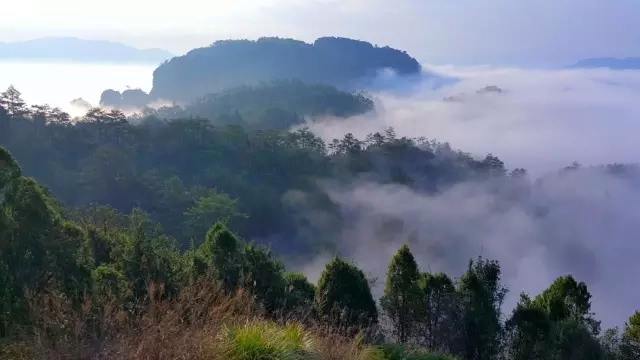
(630,63)
(74,49)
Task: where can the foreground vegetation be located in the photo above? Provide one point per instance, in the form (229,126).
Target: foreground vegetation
(148,255)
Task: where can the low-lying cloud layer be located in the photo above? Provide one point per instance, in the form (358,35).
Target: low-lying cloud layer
(583,222)
(542,121)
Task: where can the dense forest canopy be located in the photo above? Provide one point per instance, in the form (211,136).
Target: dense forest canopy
(341,62)
(277,105)
(121,216)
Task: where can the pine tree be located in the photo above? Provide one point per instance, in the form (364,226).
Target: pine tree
(402,298)
(481,295)
(12,101)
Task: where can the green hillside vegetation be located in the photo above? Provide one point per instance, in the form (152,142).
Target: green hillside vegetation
(277,105)
(122,240)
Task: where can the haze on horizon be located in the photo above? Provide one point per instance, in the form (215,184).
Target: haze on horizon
(463,32)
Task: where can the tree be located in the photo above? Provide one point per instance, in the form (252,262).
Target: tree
(440,305)
(214,206)
(566,298)
(299,294)
(528,332)
(263,276)
(151,260)
(610,343)
(481,297)
(630,346)
(39,251)
(220,252)
(11,100)
(401,299)
(555,324)
(343,297)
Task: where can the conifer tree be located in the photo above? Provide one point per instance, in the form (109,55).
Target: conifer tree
(402,297)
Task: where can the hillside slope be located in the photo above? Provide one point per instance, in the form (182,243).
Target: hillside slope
(341,62)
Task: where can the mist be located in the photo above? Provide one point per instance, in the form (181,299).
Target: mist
(543,120)
(581,222)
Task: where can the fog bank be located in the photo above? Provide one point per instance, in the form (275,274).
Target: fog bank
(581,222)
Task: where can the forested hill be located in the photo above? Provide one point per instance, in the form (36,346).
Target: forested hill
(134,242)
(226,64)
(278,105)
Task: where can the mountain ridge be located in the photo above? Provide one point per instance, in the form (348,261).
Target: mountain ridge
(81,50)
(614,63)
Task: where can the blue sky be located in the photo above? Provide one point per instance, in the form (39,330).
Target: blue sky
(524,32)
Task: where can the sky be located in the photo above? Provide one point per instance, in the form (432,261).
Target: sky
(462,32)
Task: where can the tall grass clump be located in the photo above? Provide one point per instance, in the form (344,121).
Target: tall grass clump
(263,340)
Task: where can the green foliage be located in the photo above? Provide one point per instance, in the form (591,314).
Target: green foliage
(441,313)
(151,261)
(343,296)
(565,298)
(221,254)
(170,167)
(299,293)
(529,332)
(402,297)
(266,341)
(110,284)
(275,105)
(38,249)
(557,324)
(481,295)
(630,344)
(263,276)
(137,191)
(209,209)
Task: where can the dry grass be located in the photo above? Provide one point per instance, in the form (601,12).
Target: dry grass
(200,324)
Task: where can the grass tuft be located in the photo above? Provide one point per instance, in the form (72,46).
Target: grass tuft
(263,340)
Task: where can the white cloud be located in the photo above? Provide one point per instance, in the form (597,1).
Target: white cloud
(544,121)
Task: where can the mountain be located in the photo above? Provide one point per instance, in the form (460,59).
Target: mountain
(74,49)
(630,63)
(345,63)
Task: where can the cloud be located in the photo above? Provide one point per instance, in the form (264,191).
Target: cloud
(544,120)
(582,222)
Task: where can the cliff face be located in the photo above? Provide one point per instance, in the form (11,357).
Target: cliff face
(340,62)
